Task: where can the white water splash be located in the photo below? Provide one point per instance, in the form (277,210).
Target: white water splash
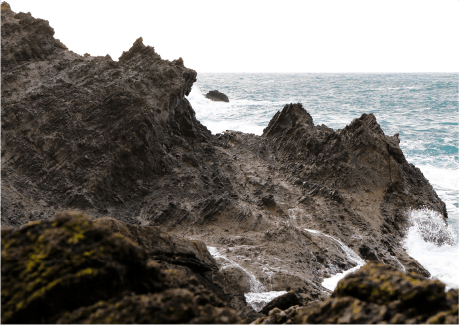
(331,283)
(259,300)
(258,296)
(221,116)
(255,285)
(433,244)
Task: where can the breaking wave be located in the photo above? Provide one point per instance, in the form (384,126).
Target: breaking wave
(432,242)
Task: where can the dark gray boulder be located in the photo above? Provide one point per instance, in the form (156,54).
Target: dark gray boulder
(217,96)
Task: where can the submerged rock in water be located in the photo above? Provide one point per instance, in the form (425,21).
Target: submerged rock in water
(217,96)
(72,270)
(377,293)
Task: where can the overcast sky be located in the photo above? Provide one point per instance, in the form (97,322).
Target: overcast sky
(265,36)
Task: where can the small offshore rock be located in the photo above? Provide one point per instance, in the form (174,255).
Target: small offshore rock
(217,96)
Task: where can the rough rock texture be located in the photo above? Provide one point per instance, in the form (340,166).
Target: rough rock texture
(217,96)
(191,257)
(71,269)
(248,314)
(86,132)
(119,139)
(285,301)
(377,293)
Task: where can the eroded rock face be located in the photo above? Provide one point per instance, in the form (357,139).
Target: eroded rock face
(217,96)
(119,139)
(377,293)
(86,132)
(190,257)
(71,269)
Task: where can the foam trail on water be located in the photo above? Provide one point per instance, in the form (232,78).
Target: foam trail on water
(331,283)
(258,296)
(433,244)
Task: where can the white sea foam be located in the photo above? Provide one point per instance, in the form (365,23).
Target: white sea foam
(332,282)
(258,296)
(445,181)
(238,115)
(259,300)
(433,244)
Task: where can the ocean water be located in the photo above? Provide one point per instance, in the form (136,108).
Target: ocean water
(422,108)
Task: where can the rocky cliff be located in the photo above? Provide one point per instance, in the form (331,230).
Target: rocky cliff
(119,140)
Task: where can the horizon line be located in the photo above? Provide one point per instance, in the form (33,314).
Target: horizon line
(376,72)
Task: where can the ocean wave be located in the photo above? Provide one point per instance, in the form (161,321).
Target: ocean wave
(433,244)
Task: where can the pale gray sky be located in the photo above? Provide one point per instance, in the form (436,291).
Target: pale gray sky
(265,36)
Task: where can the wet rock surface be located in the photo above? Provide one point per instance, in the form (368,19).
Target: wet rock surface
(285,301)
(377,293)
(190,257)
(119,141)
(217,96)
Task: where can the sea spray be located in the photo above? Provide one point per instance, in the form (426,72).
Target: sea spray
(432,242)
(258,296)
(330,283)
(222,116)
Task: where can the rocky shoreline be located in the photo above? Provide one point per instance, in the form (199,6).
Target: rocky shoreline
(119,142)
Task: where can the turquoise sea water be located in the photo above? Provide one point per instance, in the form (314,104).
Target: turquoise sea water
(422,108)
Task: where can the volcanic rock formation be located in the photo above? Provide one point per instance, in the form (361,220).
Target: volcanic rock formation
(217,96)
(119,139)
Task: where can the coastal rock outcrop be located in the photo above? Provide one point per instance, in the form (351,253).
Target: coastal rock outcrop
(377,293)
(119,141)
(86,132)
(217,96)
(71,269)
(190,257)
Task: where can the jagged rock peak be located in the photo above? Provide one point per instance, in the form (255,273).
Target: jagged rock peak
(6,6)
(123,115)
(290,116)
(368,120)
(139,48)
(25,38)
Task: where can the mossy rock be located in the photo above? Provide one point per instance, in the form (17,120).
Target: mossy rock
(169,307)
(53,266)
(71,270)
(377,293)
(382,284)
